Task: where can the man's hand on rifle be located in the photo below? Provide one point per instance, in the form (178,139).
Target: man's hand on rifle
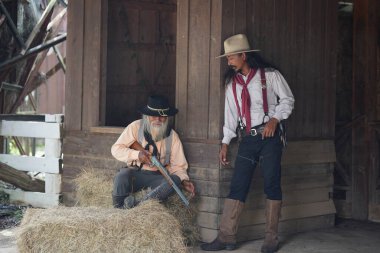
(189,187)
(144,157)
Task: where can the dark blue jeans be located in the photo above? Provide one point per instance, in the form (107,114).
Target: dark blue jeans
(253,149)
(129,180)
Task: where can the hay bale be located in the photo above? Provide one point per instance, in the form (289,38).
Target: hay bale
(146,228)
(94,188)
(186,217)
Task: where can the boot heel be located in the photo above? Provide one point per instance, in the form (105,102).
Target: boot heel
(230,246)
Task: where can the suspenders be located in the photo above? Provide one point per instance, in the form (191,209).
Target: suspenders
(168,142)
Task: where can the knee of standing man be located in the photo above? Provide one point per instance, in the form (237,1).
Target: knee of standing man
(273,192)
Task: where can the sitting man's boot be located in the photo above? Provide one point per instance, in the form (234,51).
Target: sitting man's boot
(130,202)
(226,239)
(273,211)
(118,201)
(163,191)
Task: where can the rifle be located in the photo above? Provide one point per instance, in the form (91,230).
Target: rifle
(164,172)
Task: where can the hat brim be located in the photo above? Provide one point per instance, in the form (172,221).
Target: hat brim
(238,52)
(146,111)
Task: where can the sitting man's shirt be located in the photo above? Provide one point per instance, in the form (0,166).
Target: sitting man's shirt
(121,151)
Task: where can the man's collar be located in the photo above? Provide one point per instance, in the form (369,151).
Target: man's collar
(245,76)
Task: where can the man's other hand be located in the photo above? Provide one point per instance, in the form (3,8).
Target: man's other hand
(189,187)
(270,128)
(223,154)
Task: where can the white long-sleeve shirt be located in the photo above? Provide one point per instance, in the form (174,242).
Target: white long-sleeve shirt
(280,102)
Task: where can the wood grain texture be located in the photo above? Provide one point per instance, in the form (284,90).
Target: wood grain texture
(74,63)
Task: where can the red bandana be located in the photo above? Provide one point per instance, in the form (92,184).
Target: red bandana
(245,98)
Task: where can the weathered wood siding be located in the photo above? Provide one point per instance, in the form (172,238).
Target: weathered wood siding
(303,50)
(366,120)
(307,182)
(85,63)
(299,37)
(141,56)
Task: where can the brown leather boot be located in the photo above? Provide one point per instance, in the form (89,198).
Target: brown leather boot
(273,211)
(226,239)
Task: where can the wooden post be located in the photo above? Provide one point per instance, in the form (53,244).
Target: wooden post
(74,64)
(364,97)
(53,149)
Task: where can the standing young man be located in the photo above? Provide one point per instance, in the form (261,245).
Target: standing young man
(257,99)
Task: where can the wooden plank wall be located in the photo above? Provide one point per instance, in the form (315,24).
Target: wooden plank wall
(365,137)
(307,182)
(85,63)
(299,37)
(141,56)
(201,27)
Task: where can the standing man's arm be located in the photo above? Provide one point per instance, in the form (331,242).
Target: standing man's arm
(230,124)
(285,105)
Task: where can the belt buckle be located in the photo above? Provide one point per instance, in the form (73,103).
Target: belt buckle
(253,132)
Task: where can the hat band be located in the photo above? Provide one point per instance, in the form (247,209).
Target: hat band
(160,111)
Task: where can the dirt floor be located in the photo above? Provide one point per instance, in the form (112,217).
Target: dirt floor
(348,237)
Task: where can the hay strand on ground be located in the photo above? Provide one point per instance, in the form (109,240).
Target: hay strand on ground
(146,228)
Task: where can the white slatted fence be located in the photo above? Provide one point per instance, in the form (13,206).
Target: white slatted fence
(49,128)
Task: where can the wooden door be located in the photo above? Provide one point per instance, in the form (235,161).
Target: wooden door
(141,58)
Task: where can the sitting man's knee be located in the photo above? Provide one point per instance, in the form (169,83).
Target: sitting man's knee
(122,181)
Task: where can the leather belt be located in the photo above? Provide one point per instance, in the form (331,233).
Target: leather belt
(257,130)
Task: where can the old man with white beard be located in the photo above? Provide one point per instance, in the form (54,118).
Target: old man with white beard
(154,133)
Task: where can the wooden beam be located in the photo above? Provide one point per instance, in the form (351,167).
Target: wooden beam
(36,199)
(57,19)
(31,129)
(254,217)
(33,72)
(31,163)
(74,64)
(134,4)
(60,58)
(362,104)
(9,63)
(92,68)
(254,232)
(20,179)
(38,28)
(182,69)
(11,24)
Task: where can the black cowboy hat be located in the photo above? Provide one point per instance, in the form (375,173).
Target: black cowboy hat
(158,106)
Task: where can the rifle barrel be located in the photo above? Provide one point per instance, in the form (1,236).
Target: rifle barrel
(167,176)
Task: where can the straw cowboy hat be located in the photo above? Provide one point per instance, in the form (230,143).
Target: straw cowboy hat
(158,106)
(236,44)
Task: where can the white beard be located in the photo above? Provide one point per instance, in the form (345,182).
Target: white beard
(157,132)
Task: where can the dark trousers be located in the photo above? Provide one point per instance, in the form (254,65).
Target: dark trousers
(254,149)
(130,180)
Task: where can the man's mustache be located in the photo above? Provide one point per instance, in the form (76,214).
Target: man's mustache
(234,68)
